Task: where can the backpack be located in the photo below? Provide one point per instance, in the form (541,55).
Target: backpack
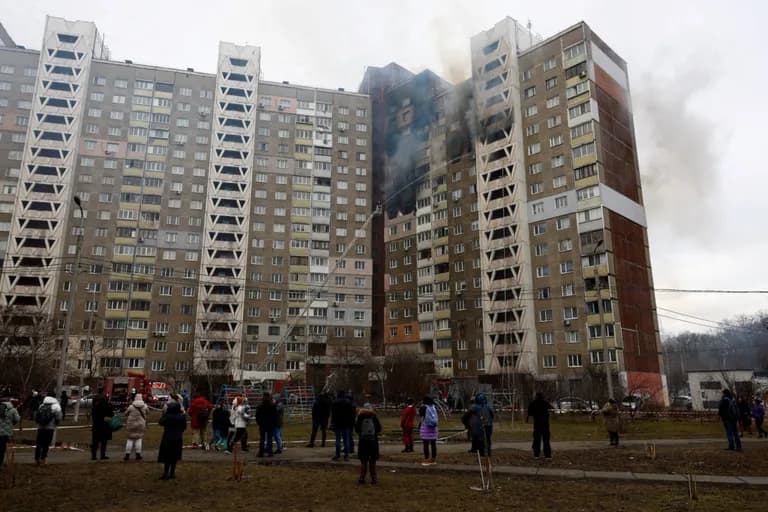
(733,410)
(485,415)
(202,415)
(44,415)
(430,417)
(3,410)
(368,429)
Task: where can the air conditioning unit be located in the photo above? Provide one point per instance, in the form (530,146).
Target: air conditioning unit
(108,152)
(203,114)
(261,105)
(178,192)
(293,338)
(567,323)
(583,74)
(272,320)
(280,108)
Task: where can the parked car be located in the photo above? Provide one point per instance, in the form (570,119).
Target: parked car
(85,402)
(682,403)
(574,404)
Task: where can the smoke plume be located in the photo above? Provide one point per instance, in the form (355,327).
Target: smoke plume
(678,150)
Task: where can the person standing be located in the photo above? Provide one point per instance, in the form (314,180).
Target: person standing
(266,419)
(368,429)
(428,430)
(63,402)
(174,424)
(220,425)
(758,412)
(610,412)
(47,417)
(9,417)
(745,415)
(184,400)
(238,418)
(342,422)
(199,414)
(407,419)
(539,410)
(479,421)
(279,414)
(101,431)
(321,412)
(728,411)
(135,426)
(34,403)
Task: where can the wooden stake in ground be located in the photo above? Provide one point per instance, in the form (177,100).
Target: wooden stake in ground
(482,476)
(238,466)
(693,495)
(11,466)
(650,450)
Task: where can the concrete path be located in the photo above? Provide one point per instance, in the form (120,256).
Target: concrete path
(298,454)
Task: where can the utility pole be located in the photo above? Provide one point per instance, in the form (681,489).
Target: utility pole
(71,302)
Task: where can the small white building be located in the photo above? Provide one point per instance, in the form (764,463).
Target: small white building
(707,386)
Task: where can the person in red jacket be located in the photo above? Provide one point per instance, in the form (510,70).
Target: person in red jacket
(406,423)
(199,413)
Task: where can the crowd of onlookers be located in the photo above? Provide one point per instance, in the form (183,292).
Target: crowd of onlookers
(224,426)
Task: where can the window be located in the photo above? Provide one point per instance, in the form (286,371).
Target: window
(542,271)
(540,228)
(555,140)
(583,150)
(563,223)
(574,51)
(579,110)
(588,215)
(535,168)
(545,338)
(577,89)
(565,245)
(550,361)
(553,101)
(550,83)
(554,121)
(534,148)
(587,193)
(545,315)
(566,267)
(531,111)
(558,181)
(574,360)
(537,208)
(585,172)
(532,129)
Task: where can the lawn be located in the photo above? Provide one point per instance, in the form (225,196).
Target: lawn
(205,487)
(564,428)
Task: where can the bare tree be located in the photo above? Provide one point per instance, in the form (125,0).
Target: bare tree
(27,351)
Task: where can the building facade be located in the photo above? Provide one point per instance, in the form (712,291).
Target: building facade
(531,251)
(225,223)
(231,226)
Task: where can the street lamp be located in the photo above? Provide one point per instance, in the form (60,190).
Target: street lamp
(606,360)
(71,300)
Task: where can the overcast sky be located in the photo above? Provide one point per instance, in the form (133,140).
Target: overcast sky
(697,73)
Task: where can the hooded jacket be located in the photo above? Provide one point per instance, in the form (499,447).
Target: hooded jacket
(197,405)
(8,420)
(240,415)
(266,415)
(57,414)
(408,417)
(136,418)
(610,413)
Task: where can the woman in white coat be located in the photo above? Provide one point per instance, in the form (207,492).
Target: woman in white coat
(135,426)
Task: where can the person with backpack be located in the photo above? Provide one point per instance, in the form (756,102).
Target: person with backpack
(199,414)
(135,426)
(101,430)
(758,412)
(174,424)
(539,410)
(428,430)
(9,417)
(407,419)
(368,429)
(610,412)
(479,420)
(321,412)
(728,411)
(266,419)
(47,417)
(220,426)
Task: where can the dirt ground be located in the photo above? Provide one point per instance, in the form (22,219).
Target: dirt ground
(697,459)
(204,487)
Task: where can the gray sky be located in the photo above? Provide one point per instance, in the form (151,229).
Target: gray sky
(697,73)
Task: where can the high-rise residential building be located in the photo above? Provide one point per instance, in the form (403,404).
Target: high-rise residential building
(230,225)
(515,232)
(226,220)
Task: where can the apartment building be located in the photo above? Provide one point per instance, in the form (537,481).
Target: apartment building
(225,222)
(531,249)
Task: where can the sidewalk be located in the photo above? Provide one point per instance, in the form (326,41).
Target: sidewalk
(299,455)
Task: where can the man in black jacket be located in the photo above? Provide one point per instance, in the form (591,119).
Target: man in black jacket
(729,413)
(266,418)
(321,411)
(101,431)
(539,410)
(342,422)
